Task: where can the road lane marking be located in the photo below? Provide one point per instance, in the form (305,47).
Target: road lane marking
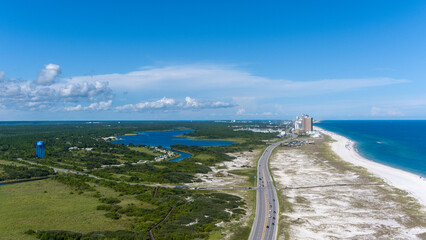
(266,217)
(266,207)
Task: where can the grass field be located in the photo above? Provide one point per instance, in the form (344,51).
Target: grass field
(12,163)
(145,150)
(49,205)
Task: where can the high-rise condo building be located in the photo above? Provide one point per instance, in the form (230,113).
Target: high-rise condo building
(303,124)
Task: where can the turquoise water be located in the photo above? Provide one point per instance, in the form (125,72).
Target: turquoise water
(400,144)
(166,139)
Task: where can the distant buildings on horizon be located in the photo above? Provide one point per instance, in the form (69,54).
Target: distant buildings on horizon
(303,124)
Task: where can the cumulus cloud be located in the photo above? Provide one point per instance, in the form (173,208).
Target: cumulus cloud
(46,93)
(172,104)
(208,85)
(190,102)
(241,111)
(85,90)
(96,106)
(48,74)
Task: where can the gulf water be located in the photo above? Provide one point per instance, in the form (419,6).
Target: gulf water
(166,139)
(396,143)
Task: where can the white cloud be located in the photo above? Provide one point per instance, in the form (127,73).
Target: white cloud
(162,103)
(385,112)
(221,105)
(96,106)
(224,81)
(48,94)
(76,108)
(85,89)
(48,74)
(210,87)
(159,104)
(190,102)
(172,104)
(241,111)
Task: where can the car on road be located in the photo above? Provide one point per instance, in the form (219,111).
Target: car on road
(267,226)
(273,224)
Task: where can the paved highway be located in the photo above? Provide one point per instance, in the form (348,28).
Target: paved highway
(265,224)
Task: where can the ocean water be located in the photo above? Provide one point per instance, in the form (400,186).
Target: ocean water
(167,138)
(396,143)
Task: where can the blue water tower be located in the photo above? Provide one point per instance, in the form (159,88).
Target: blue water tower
(40,150)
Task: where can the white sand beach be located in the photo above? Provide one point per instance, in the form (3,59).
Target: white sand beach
(324,196)
(412,183)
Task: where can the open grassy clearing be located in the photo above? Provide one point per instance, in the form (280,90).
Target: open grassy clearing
(49,205)
(235,140)
(145,150)
(125,199)
(15,163)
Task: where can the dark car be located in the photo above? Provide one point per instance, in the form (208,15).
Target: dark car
(267,226)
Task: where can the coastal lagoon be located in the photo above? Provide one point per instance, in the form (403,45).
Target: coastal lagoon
(400,144)
(166,139)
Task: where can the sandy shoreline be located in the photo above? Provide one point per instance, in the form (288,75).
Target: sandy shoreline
(412,183)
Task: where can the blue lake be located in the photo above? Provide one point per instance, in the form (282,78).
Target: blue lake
(167,138)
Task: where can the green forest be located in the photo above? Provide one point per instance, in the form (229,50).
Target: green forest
(164,212)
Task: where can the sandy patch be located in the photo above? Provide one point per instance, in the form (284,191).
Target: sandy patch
(220,175)
(328,203)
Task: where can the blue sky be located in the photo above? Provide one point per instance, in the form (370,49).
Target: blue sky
(187,60)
